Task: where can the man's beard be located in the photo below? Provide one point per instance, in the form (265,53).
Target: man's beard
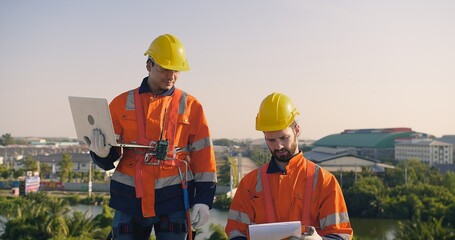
(289,153)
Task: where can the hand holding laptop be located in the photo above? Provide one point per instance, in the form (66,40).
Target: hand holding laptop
(97,145)
(90,114)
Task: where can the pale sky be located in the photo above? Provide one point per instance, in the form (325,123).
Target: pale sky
(346,64)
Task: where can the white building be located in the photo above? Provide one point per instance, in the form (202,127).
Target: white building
(426,150)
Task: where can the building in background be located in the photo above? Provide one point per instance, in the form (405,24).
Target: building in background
(344,160)
(428,151)
(448,139)
(374,143)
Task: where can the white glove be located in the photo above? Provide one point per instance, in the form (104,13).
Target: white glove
(311,235)
(200,214)
(97,145)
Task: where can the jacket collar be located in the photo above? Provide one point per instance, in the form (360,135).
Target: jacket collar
(144,88)
(294,162)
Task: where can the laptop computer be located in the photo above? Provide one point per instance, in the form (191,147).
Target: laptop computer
(93,113)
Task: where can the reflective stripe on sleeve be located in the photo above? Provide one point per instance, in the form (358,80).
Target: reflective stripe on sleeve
(205,177)
(239,217)
(333,219)
(123,178)
(201,144)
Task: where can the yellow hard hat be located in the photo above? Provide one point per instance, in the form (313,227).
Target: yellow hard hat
(276,112)
(168,52)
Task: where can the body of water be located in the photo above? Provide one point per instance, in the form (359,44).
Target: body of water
(381,229)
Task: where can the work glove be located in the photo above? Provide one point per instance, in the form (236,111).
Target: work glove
(96,144)
(200,215)
(310,235)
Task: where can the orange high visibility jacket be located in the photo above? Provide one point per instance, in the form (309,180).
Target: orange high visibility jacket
(161,185)
(328,213)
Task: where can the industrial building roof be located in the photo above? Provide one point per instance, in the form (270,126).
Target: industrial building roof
(362,139)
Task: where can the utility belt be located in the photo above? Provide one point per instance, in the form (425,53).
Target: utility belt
(155,154)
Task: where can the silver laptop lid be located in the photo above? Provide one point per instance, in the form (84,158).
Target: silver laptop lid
(92,113)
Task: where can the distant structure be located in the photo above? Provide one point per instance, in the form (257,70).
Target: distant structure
(448,139)
(373,143)
(426,150)
(344,160)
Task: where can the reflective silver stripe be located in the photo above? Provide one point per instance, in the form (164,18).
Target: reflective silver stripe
(259,187)
(182,103)
(236,233)
(205,177)
(200,144)
(315,178)
(239,217)
(168,181)
(172,180)
(130,101)
(333,219)
(123,178)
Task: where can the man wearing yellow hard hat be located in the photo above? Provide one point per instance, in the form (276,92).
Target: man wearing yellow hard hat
(170,185)
(289,187)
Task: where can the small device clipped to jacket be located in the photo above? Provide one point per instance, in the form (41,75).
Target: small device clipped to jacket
(161,149)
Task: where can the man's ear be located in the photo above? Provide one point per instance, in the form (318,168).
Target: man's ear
(297,130)
(148,65)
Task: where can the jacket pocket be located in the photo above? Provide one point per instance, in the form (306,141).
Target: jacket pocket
(257,201)
(128,123)
(183,124)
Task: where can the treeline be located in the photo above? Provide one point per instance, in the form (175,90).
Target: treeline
(39,216)
(418,195)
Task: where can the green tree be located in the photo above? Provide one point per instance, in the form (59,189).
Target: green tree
(422,201)
(38,216)
(448,181)
(4,171)
(34,217)
(80,225)
(45,170)
(260,155)
(217,232)
(7,139)
(418,229)
(30,164)
(223,170)
(66,167)
(222,202)
(364,198)
(412,171)
(98,175)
